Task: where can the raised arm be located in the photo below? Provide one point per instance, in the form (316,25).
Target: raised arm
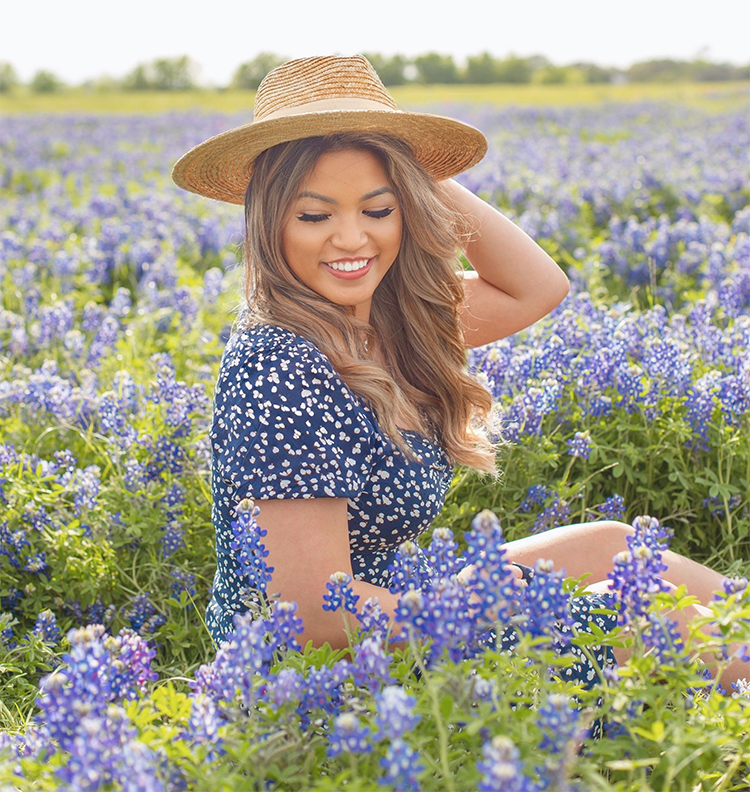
(514,282)
(307,541)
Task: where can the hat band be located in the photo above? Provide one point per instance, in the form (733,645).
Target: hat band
(342,103)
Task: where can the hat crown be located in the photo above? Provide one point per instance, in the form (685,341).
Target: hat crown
(306,80)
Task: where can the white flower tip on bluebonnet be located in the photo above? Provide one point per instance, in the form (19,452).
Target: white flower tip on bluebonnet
(544,565)
(503,749)
(340,578)
(622,558)
(409,548)
(347,722)
(245,506)
(642,552)
(85,635)
(486,522)
(442,534)
(413,600)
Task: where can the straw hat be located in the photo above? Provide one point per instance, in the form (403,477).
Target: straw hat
(322,96)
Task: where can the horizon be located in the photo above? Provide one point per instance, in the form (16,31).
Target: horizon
(80,41)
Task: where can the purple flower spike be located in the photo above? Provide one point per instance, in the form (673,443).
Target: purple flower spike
(501,768)
(340,593)
(372,663)
(395,712)
(580,445)
(401,767)
(546,605)
(349,736)
(636,576)
(46,627)
(248,548)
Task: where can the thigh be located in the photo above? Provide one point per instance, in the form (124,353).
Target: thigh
(585,548)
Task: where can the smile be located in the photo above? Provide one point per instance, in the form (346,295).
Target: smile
(348,266)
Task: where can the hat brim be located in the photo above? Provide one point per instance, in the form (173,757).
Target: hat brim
(221,166)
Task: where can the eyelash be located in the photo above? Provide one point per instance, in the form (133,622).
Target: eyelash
(376,214)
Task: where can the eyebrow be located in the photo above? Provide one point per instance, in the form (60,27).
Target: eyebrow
(373,194)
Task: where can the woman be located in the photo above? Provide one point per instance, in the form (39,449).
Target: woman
(343,402)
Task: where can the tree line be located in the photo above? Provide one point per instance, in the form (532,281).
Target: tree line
(182,73)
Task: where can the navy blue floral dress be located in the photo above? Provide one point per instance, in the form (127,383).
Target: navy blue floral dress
(286,426)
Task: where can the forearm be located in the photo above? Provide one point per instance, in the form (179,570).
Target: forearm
(322,626)
(504,255)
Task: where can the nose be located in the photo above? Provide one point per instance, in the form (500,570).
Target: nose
(349,234)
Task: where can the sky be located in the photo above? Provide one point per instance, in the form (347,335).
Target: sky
(86,39)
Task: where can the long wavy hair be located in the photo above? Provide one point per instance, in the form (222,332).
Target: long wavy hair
(414,317)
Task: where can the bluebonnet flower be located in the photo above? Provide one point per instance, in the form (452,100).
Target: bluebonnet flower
(46,627)
(340,594)
(408,570)
(285,686)
(172,539)
(613,508)
(348,735)
(131,659)
(557,513)
(6,630)
(560,722)
(182,580)
(372,618)
(636,576)
(142,615)
(284,625)
(248,548)
(536,495)
(212,285)
(501,768)
(441,554)
(493,583)
(203,726)
(546,606)
(401,767)
(395,712)
(661,635)
(371,668)
(731,586)
(580,445)
(322,689)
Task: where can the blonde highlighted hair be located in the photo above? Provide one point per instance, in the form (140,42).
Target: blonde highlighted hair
(414,317)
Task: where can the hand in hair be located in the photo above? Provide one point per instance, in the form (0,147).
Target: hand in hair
(514,282)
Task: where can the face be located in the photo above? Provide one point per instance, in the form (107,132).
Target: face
(344,231)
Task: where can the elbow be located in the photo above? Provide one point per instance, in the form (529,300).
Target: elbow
(559,288)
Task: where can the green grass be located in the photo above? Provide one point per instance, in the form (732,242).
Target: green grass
(712,96)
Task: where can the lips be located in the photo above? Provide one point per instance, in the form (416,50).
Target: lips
(349,269)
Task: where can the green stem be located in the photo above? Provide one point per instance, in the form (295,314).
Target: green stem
(442,740)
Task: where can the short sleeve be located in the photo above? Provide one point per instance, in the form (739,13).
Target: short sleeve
(286,426)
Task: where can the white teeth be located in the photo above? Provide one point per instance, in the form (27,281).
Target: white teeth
(348,266)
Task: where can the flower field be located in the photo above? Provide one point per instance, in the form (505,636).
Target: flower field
(117,293)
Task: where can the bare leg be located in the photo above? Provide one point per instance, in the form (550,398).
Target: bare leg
(590,547)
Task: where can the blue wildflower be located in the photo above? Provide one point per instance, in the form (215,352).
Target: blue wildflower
(401,767)
(501,768)
(249,551)
(349,735)
(340,594)
(395,712)
(371,668)
(46,627)
(580,445)
(372,618)
(636,575)
(546,606)
(203,726)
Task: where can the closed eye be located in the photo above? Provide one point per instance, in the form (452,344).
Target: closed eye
(379,214)
(312,218)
